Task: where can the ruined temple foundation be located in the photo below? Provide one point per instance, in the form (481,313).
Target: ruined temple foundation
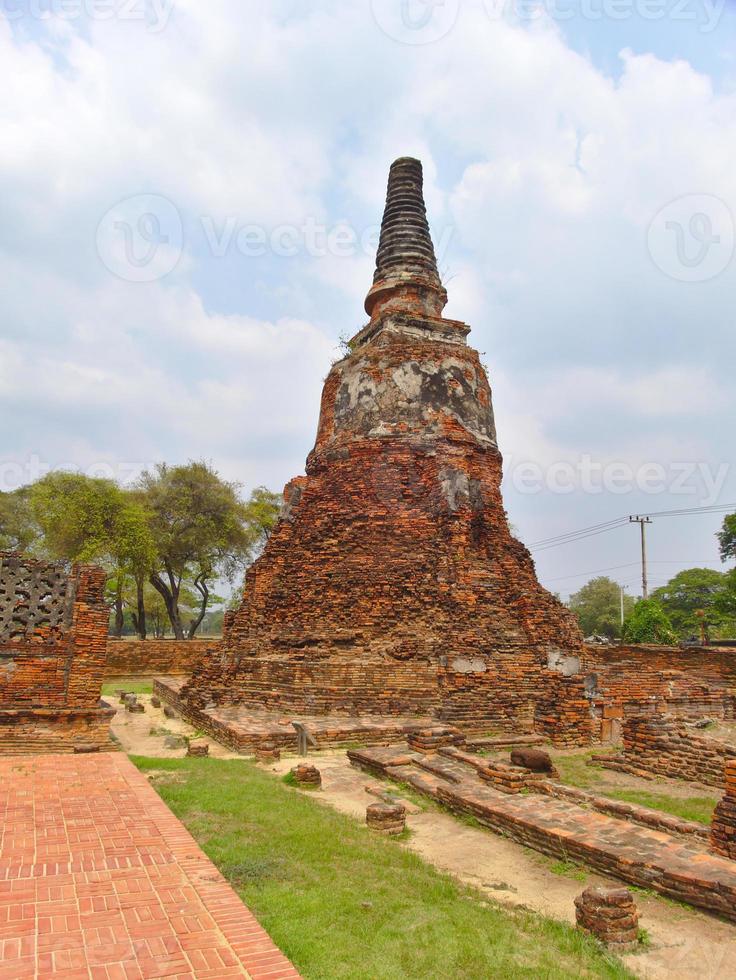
(723,826)
(391,587)
(53,639)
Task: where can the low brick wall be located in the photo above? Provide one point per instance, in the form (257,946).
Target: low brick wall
(142,658)
(656,819)
(245,734)
(664,746)
(29,731)
(643,678)
(723,826)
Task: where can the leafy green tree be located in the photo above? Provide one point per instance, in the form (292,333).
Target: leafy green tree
(18,528)
(598,607)
(725,603)
(648,623)
(727,537)
(200,530)
(94,520)
(690,592)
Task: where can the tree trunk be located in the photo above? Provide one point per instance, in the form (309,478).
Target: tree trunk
(201,587)
(118,605)
(170,595)
(141,613)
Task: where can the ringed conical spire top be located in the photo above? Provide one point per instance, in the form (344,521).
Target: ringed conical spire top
(406,276)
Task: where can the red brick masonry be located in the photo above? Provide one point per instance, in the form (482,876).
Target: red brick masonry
(98,879)
(130,657)
(53,637)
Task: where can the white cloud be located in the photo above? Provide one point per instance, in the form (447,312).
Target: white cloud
(548,169)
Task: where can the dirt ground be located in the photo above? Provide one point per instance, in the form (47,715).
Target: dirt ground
(725,731)
(684,943)
(145,734)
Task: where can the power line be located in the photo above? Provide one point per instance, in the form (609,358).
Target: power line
(611,568)
(693,562)
(594,529)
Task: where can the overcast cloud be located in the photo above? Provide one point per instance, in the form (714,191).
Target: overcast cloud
(581,193)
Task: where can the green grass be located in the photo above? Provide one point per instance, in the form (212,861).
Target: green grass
(130,687)
(697,808)
(574,771)
(343,903)
(568,870)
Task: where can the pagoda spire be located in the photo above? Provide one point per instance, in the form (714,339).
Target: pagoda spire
(406,277)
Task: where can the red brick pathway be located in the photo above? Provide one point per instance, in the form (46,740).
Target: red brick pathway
(98,879)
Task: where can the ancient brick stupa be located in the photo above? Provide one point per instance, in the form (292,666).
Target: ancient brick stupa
(391,584)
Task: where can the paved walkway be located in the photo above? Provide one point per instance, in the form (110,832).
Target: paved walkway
(99,880)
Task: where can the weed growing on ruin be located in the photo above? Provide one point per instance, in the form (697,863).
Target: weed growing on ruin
(342,903)
(290,779)
(568,870)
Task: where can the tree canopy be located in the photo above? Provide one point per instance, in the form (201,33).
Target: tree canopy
(692,598)
(727,537)
(598,607)
(165,543)
(648,623)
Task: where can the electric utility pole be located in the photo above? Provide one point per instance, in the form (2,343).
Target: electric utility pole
(621,594)
(642,522)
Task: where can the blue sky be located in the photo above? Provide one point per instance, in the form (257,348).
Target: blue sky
(191,194)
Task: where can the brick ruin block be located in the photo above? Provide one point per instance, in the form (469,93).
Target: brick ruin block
(392,584)
(535,759)
(431,739)
(661,745)
(610,914)
(510,779)
(53,637)
(306,775)
(386,818)
(198,749)
(723,824)
(268,752)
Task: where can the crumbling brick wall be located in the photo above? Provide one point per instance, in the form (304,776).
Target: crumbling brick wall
(723,825)
(53,631)
(129,657)
(690,682)
(657,745)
